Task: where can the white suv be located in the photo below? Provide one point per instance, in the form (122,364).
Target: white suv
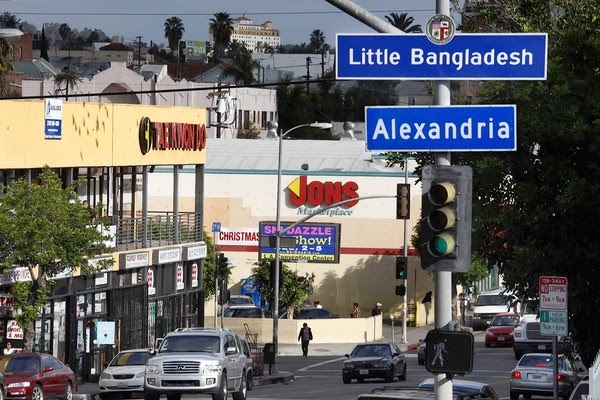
(197,360)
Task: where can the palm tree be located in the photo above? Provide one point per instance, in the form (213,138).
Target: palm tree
(317,41)
(68,79)
(174,32)
(404,23)
(221,28)
(8,20)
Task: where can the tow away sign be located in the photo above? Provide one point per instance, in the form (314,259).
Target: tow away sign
(438,128)
(496,56)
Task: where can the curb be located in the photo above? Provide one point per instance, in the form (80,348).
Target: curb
(283,377)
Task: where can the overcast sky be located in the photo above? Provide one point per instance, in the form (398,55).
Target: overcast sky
(131,18)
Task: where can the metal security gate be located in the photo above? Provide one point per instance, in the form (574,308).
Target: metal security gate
(129,306)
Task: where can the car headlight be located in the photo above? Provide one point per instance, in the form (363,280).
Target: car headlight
(104,375)
(488,333)
(152,369)
(348,366)
(140,375)
(213,368)
(381,365)
(18,384)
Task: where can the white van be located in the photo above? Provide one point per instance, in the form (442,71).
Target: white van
(488,304)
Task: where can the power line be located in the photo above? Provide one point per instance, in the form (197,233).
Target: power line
(189,14)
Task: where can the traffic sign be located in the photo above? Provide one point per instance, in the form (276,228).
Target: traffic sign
(438,128)
(553,323)
(216,227)
(492,56)
(553,293)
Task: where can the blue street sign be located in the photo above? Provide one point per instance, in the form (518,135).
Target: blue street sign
(216,227)
(437,128)
(493,56)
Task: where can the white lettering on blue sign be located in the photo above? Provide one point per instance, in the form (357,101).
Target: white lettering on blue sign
(458,59)
(438,128)
(375,57)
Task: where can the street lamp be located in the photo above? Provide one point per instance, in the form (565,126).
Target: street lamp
(272,133)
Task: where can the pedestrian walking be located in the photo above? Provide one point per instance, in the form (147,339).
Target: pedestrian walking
(305,336)
(427,303)
(376,310)
(355,313)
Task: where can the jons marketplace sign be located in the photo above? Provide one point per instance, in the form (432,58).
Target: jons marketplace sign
(171,136)
(308,195)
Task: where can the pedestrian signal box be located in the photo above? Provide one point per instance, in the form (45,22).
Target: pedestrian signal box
(449,352)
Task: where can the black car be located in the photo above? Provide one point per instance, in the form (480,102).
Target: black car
(311,313)
(245,312)
(374,360)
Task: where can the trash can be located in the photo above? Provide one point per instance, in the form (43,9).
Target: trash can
(269,356)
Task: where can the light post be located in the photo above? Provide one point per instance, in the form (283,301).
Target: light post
(272,133)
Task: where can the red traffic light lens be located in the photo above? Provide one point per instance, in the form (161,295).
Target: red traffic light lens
(442,193)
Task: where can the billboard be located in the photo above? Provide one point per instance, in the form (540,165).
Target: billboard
(315,242)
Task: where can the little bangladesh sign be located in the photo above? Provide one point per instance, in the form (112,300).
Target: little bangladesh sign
(496,56)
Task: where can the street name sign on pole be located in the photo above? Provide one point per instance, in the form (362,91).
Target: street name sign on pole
(438,128)
(492,56)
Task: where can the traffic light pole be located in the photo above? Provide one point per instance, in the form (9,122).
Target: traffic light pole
(443,279)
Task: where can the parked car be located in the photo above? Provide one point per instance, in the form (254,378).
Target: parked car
(500,331)
(529,339)
(37,376)
(422,352)
(250,363)
(374,360)
(311,313)
(124,375)
(488,304)
(245,312)
(581,391)
(240,300)
(534,375)
(464,386)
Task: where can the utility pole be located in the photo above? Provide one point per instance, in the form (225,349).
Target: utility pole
(139,38)
(308,62)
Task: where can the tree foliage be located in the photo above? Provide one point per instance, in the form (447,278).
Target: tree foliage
(293,289)
(221,28)
(47,230)
(174,32)
(535,210)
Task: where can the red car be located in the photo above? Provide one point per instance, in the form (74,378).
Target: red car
(37,376)
(500,331)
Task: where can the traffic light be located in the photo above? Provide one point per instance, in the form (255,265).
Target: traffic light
(400,290)
(401,267)
(445,235)
(449,352)
(222,263)
(403,201)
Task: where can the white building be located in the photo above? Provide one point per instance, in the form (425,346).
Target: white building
(255,37)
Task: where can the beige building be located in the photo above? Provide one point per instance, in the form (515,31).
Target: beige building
(255,37)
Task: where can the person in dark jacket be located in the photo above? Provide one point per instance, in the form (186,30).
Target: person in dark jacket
(376,310)
(305,336)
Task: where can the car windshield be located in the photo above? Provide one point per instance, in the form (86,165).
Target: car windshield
(130,358)
(540,361)
(190,343)
(505,320)
(237,301)
(492,300)
(371,351)
(22,364)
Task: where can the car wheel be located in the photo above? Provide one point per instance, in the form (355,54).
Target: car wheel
(37,393)
(514,396)
(68,391)
(223,390)
(174,396)
(346,379)
(390,376)
(243,392)
(151,396)
(403,376)
(249,380)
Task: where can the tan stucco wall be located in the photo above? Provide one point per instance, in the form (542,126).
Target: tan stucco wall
(338,330)
(93,135)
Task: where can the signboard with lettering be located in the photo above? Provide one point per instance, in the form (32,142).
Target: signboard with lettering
(166,256)
(553,292)
(151,283)
(179,283)
(13,330)
(554,322)
(492,56)
(315,242)
(437,128)
(53,119)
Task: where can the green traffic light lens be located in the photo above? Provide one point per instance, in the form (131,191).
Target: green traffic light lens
(442,245)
